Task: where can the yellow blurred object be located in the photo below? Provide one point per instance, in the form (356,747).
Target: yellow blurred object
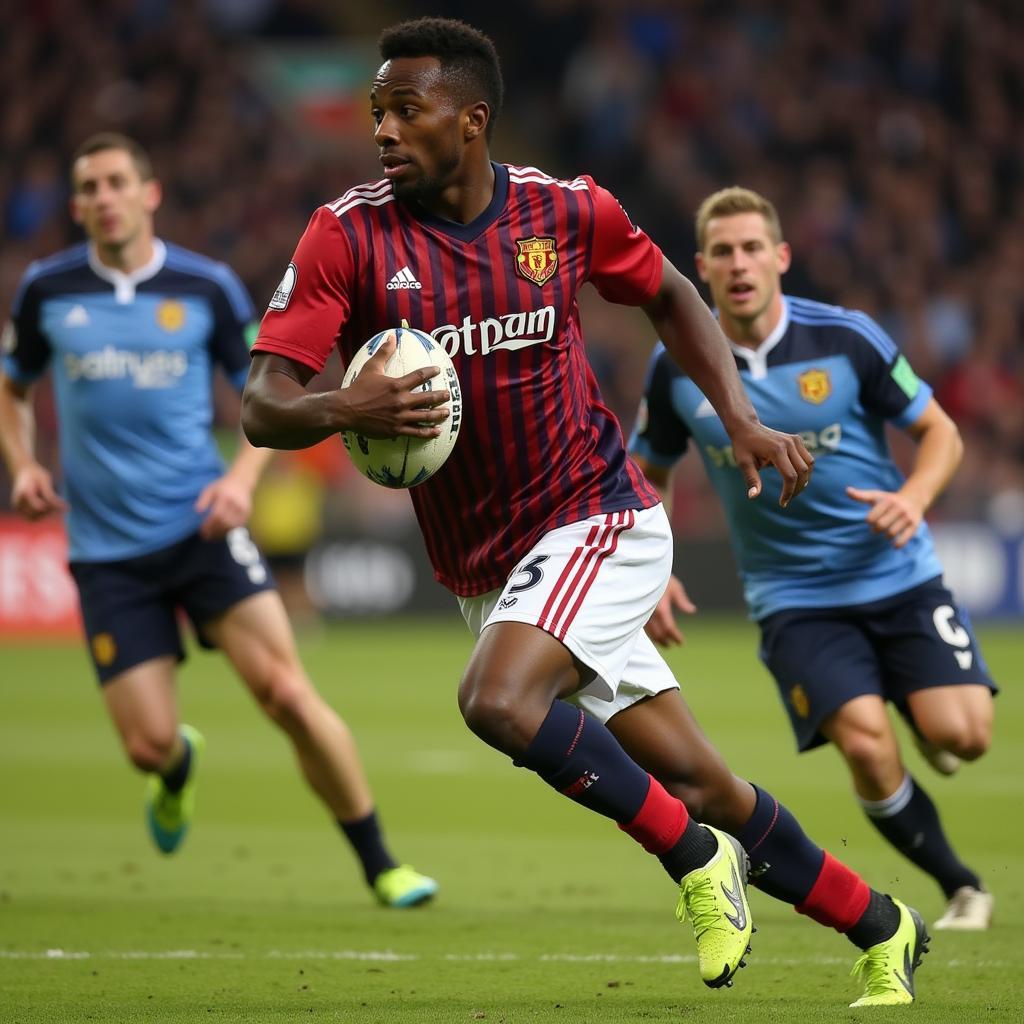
(287,509)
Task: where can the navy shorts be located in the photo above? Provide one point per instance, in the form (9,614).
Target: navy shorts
(822,658)
(130,608)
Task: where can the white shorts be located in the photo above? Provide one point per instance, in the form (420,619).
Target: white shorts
(593,585)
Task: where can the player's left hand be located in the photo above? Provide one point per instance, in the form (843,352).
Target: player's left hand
(227,504)
(755,446)
(892,513)
(662,627)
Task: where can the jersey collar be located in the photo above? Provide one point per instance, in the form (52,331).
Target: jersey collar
(757,358)
(125,284)
(480,223)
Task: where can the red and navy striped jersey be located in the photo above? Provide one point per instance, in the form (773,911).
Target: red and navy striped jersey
(537,448)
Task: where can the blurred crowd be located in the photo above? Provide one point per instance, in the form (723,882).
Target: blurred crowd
(889,133)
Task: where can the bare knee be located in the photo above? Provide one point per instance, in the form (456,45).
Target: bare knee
(498,714)
(972,744)
(968,741)
(872,757)
(148,747)
(286,697)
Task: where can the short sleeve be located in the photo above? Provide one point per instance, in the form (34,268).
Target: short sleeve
(25,349)
(234,325)
(660,436)
(312,302)
(625,265)
(889,388)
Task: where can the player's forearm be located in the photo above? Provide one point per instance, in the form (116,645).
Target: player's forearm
(249,463)
(695,341)
(939,450)
(278,412)
(17,429)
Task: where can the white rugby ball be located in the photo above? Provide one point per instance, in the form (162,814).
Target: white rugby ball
(406,461)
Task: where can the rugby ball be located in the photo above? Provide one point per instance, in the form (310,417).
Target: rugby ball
(406,461)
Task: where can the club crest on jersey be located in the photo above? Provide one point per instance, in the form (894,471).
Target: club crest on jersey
(170,315)
(536,259)
(815,386)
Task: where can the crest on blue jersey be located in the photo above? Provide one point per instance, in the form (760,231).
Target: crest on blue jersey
(170,315)
(815,386)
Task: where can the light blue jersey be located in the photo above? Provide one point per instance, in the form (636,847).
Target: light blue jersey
(834,377)
(132,358)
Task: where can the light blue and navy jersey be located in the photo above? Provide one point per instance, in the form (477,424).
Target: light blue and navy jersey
(834,377)
(133,358)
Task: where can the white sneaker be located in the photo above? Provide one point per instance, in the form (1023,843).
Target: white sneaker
(968,910)
(941,760)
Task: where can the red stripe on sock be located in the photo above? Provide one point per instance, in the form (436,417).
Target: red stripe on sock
(576,738)
(839,897)
(660,822)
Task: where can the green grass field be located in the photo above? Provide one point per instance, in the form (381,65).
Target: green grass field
(546,913)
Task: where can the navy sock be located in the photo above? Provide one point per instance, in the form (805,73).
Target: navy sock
(910,822)
(579,757)
(783,861)
(176,778)
(787,864)
(366,839)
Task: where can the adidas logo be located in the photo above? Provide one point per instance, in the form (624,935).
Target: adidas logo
(403,279)
(77,317)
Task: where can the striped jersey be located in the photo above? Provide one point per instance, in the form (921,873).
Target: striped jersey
(538,448)
(132,357)
(835,377)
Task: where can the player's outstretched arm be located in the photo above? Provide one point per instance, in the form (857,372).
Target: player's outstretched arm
(696,343)
(278,412)
(226,502)
(898,514)
(32,492)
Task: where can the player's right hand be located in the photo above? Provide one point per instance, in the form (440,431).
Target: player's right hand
(33,494)
(380,406)
(661,626)
(756,446)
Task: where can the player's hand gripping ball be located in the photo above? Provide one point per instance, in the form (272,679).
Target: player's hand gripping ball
(406,461)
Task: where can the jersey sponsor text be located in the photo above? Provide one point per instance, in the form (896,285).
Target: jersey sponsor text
(160,369)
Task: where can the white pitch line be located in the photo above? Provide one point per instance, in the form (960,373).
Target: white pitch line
(390,956)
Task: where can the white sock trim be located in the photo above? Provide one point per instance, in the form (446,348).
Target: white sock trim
(891,805)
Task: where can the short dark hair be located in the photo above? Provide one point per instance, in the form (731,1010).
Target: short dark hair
(468,57)
(102,141)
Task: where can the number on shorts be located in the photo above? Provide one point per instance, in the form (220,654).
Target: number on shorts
(948,628)
(532,570)
(245,553)
(951,632)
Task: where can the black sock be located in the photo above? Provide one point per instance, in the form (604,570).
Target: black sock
(696,846)
(365,837)
(784,862)
(878,922)
(178,775)
(910,822)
